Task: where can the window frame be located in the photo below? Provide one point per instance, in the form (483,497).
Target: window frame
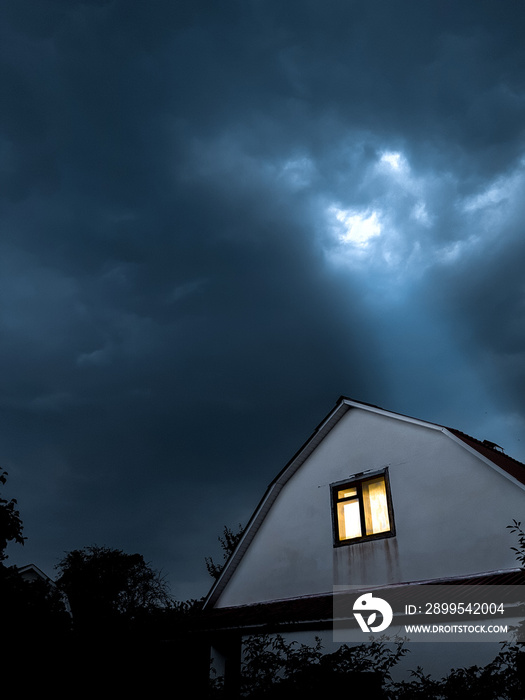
(356,481)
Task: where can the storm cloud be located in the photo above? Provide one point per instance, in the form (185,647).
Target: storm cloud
(215,219)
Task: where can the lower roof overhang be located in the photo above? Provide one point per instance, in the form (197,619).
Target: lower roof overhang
(316,612)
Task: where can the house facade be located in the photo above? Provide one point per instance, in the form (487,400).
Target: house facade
(372,499)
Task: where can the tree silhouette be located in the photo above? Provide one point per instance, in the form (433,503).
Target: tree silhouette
(228,542)
(110,591)
(11,527)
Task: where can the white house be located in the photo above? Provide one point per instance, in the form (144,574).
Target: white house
(372,500)
(31,573)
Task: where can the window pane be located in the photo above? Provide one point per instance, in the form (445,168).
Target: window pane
(347,493)
(349,520)
(375,506)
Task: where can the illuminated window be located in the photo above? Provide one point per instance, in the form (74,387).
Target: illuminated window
(362,509)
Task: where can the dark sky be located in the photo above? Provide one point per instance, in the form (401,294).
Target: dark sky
(218,217)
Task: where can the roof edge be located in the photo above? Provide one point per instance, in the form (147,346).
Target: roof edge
(271,493)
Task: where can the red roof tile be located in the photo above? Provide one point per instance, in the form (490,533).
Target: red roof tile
(499,458)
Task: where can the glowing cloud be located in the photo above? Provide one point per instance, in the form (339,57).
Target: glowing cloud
(394,160)
(358,228)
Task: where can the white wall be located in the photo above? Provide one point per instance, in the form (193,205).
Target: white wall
(450,508)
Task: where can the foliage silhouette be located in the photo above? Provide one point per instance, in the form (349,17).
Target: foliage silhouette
(275,668)
(110,591)
(228,542)
(28,609)
(11,527)
(31,609)
(501,679)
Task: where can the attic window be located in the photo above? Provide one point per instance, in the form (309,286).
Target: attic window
(362,509)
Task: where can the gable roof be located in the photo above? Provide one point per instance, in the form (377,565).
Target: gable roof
(32,572)
(489,452)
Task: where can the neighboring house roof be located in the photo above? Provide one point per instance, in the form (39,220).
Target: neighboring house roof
(30,572)
(489,452)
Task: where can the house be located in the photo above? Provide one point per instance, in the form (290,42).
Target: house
(373,501)
(30,573)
